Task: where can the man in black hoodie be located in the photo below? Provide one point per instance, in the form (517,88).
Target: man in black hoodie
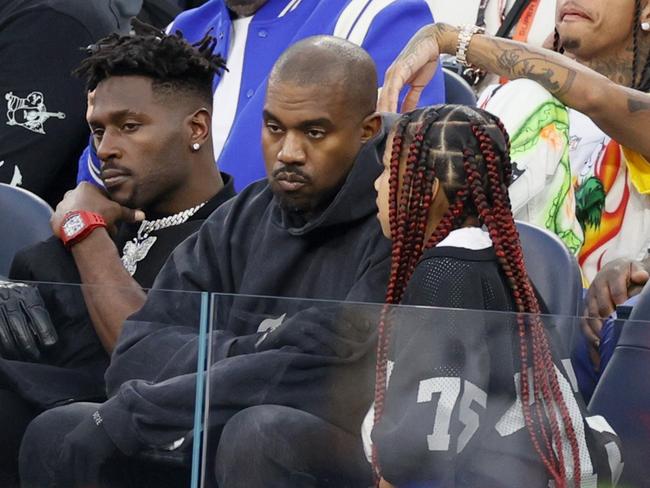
(310,231)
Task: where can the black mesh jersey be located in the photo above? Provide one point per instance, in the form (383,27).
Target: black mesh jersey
(453,415)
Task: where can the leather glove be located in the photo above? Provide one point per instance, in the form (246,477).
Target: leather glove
(25,325)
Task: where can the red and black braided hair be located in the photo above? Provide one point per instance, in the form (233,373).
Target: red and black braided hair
(640,69)
(467,150)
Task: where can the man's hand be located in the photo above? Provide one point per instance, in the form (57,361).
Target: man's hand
(324,331)
(415,66)
(25,325)
(91,199)
(617,281)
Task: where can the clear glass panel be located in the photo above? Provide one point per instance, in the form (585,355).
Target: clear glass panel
(622,394)
(151,385)
(281,380)
(291,383)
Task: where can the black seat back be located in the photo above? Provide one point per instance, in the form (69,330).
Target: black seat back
(622,395)
(457,90)
(555,272)
(24,220)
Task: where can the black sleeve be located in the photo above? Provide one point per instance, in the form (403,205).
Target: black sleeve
(46,261)
(43,105)
(20,267)
(437,387)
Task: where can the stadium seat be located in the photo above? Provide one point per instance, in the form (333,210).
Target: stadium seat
(24,220)
(622,395)
(457,90)
(555,273)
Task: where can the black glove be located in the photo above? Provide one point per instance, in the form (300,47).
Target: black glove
(25,325)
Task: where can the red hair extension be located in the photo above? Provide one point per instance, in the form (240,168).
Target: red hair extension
(477,188)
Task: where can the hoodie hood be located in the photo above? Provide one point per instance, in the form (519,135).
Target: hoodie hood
(356,198)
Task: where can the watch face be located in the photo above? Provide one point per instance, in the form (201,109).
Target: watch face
(73,225)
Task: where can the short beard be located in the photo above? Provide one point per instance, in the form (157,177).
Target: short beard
(289,205)
(244,8)
(293,210)
(571,44)
(305,210)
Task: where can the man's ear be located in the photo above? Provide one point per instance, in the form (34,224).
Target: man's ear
(200,123)
(370,127)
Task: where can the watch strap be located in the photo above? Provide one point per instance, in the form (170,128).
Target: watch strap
(464,38)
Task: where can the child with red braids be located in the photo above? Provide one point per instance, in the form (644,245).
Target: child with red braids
(451,407)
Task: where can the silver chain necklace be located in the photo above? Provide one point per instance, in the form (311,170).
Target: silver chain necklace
(136,249)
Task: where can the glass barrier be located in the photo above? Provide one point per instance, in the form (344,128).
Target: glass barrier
(291,401)
(208,390)
(128,425)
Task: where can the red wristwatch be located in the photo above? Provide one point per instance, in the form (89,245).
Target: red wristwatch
(78,224)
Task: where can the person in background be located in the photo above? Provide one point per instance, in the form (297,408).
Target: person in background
(529,21)
(251,35)
(535,22)
(43,129)
(593,183)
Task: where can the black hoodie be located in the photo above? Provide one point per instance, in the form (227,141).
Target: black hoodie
(320,359)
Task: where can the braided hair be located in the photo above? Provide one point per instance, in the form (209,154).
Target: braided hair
(557,46)
(467,151)
(640,75)
(170,61)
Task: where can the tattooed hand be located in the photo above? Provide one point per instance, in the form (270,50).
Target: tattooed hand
(415,66)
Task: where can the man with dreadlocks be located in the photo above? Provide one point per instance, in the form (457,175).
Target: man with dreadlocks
(443,199)
(150,119)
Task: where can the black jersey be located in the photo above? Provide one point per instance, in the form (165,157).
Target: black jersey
(452,414)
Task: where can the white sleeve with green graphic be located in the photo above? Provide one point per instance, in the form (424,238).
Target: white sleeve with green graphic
(542,191)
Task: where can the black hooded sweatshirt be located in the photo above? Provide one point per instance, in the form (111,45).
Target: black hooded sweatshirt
(320,358)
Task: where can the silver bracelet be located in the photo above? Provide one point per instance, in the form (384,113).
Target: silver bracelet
(464,37)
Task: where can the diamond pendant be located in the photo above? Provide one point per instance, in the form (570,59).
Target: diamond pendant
(136,250)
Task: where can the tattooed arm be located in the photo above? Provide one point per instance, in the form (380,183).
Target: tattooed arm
(622,113)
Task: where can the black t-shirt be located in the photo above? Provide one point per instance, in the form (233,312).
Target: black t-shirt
(43,128)
(452,414)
